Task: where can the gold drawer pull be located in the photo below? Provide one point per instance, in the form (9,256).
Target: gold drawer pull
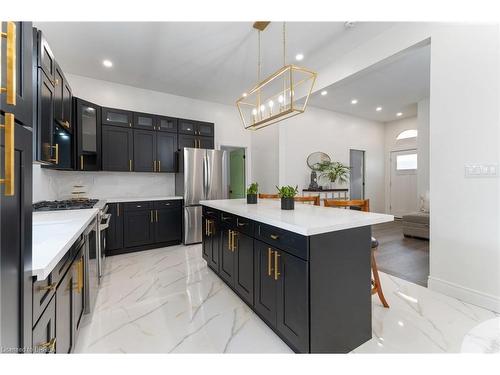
(156,215)
(274,236)
(159,166)
(276,266)
(235,239)
(151,215)
(9,159)
(10,88)
(48,346)
(130,165)
(269,261)
(230,246)
(47,288)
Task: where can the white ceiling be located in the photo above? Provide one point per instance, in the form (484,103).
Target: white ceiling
(213,61)
(395,84)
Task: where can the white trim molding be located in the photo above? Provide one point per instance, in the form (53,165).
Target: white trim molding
(465,294)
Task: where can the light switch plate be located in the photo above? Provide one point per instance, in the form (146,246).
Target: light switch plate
(481,170)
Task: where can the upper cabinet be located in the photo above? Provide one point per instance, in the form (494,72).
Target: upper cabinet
(53,115)
(117,117)
(88,135)
(166,124)
(45,58)
(144,121)
(196,128)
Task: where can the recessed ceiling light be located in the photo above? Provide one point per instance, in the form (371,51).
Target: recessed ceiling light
(401,324)
(378,109)
(324,92)
(354,101)
(299,56)
(399,114)
(107,63)
(244,94)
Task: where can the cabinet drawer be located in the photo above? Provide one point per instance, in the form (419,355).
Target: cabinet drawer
(290,242)
(137,206)
(228,219)
(167,204)
(244,225)
(211,213)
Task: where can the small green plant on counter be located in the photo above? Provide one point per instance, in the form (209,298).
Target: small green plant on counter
(287,191)
(334,171)
(253,188)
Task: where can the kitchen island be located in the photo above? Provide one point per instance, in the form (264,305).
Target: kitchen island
(305,272)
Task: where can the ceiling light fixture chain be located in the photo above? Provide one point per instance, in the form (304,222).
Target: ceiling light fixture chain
(284,43)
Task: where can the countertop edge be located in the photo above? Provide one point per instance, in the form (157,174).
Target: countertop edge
(141,199)
(382,218)
(43,273)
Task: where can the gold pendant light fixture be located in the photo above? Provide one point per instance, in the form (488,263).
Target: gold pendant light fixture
(282,95)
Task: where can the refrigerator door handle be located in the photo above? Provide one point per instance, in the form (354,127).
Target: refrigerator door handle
(205,177)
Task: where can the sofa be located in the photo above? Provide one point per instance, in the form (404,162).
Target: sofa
(416,224)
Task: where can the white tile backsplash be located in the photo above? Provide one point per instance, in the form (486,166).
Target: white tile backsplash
(51,184)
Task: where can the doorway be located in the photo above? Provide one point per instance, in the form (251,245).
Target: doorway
(236,167)
(403,182)
(357,180)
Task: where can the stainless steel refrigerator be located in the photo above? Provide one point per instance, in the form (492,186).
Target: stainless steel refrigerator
(204,176)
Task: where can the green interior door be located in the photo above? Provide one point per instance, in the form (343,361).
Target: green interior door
(237,174)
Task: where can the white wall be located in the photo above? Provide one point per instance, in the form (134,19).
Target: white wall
(333,133)
(228,131)
(392,130)
(464,128)
(423,142)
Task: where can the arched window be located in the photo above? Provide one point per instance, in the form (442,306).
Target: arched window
(411,133)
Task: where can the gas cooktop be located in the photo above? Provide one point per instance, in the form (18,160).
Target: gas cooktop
(69,204)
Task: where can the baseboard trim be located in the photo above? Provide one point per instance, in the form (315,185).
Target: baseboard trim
(465,294)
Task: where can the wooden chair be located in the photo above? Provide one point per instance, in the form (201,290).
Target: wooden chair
(313,199)
(364,205)
(268,196)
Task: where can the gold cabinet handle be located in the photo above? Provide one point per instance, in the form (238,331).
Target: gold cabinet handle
(48,287)
(230,238)
(49,346)
(276,266)
(118,209)
(65,124)
(154,165)
(79,278)
(151,215)
(159,166)
(81,162)
(130,165)
(269,261)
(10,87)
(9,159)
(56,159)
(156,215)
(274,236)
(55,82)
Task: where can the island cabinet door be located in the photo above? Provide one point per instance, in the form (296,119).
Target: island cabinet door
(215,233)
(291,274)
(64,314)
(114,234)
(226,265)
(210,242)
(243,267)
(266,287)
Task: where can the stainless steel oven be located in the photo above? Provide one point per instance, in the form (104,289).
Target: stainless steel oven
(103,220)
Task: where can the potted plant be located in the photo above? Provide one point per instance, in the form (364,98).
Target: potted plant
(252,191)
(287,193)
(334,171)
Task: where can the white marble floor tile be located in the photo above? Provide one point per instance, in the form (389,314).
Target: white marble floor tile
(168,301)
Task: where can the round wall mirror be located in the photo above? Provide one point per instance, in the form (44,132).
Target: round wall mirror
(314,159)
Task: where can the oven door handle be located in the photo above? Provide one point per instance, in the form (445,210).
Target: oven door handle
(105,219)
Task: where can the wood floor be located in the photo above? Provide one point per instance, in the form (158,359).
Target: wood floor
(406,258)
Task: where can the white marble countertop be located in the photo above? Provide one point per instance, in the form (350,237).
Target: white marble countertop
(54,232)
(141,199)
(305,219)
